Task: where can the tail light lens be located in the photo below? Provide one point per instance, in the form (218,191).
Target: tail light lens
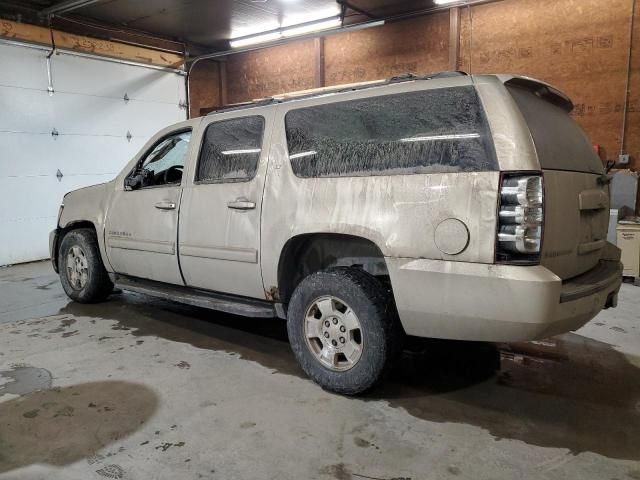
(520,219)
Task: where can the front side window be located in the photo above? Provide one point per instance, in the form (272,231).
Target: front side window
(163,164)
(231,150)
(428,131)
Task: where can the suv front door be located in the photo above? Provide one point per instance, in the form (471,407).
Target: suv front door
(142,221)
(219,228)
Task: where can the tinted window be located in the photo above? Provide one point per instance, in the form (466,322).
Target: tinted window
(560,142)
(231,150)
(442,130)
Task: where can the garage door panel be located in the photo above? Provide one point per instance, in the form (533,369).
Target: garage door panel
(28,67)
(25,110)
(92,120)
(88,76)
(38,112)
(36,197)
(140,84)
(27,245)
(32,155)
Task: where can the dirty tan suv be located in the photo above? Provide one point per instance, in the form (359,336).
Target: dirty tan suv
(449,206)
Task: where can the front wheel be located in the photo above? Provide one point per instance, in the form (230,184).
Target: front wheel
(82,273)
(343,329)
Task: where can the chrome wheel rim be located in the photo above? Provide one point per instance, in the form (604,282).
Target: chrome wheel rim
(333,333)
(77,268)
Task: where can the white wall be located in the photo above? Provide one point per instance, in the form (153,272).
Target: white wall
(88,110)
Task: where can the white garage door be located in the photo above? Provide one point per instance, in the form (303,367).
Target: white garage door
(81,134)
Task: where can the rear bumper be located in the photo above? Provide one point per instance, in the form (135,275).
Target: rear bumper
(53,248)
(496,303)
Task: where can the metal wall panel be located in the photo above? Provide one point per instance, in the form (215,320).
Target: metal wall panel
(92,119)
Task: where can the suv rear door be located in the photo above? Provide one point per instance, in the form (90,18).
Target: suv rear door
(576,197)
(219,227)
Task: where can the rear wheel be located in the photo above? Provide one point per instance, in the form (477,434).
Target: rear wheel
(82,272)
(343,329)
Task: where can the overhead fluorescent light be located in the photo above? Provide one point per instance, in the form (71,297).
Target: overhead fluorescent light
(306,16)
(315,27)
(446,2)
(287,32)
(253,39)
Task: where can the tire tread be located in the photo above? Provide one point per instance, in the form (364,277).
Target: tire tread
(381,299)
(99,285)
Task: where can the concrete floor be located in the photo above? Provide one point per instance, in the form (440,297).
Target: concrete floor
(137,388)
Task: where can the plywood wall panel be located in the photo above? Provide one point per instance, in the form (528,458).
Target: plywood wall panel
(267,72)
(204,85)
(420,45)
(578,45)
(632,143)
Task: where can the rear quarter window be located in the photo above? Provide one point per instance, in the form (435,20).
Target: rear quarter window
(560,142)
(427,131)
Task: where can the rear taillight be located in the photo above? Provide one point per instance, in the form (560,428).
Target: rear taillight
(520,219)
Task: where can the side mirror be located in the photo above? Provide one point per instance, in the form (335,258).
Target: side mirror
(132,182)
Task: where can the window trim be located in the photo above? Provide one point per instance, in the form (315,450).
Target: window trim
(147,152)
(491,151)
(234,180)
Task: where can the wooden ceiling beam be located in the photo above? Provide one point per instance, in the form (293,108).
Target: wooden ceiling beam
(68,41)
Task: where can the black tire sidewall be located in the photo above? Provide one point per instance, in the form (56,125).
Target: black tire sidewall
(370,302)
(98,285)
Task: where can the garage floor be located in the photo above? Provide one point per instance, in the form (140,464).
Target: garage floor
(137,388)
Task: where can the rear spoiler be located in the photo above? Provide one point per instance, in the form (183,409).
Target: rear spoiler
(542,90)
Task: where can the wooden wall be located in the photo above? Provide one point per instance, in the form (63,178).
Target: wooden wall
(204,85)
(580,46)
(632,142)
(371,54)
(271,71)
(64,40)
(420,45)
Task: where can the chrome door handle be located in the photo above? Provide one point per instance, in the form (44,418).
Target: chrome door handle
(241,204)
(165,206)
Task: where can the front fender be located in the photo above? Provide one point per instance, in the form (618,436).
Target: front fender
(87,206)
(54,236)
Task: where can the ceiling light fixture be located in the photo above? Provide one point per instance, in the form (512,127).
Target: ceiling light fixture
(315,27)
(286,32)
(446,2)
(253,39)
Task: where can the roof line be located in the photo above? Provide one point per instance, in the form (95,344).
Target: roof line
(317,92)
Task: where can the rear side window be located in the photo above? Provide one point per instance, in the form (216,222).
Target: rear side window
(231,150)
(560,142)
(429,131)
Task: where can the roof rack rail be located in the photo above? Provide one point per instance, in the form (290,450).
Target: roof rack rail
(242,105)
(406,77)
(316,92)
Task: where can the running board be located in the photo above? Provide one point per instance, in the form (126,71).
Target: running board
(246,307)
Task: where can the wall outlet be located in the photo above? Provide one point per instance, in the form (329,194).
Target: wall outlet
(623,159)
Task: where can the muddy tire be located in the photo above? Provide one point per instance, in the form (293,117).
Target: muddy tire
(343,329)
(82,272)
